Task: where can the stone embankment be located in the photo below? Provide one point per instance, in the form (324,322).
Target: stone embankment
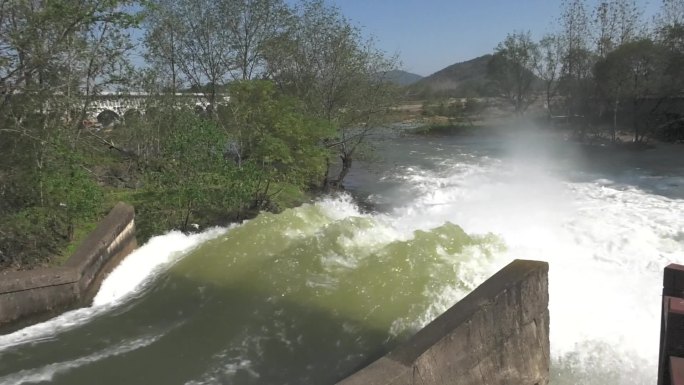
(40,293)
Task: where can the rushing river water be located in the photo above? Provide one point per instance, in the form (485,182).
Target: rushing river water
(311,294)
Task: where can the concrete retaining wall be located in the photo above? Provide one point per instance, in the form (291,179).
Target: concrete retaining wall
(498,334)
(39,293)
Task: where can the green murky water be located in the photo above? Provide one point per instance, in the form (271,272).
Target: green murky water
(303,297)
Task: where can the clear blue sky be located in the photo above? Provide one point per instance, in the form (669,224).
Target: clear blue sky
(429,35)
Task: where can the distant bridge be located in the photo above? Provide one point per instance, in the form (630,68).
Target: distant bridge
(108,107)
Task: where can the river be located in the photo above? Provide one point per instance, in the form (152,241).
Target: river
(310,295)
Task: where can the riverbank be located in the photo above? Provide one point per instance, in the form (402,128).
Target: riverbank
(37,294)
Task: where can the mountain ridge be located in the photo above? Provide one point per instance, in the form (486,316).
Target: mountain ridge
(402,78)
(463,79)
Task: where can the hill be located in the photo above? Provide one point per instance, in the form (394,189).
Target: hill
(402,78)
(465,79)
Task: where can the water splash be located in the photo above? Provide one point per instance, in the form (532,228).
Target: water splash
(127,280)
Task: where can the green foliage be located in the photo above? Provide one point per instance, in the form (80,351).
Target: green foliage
(27,238)
(70,191)
(59,195)
(189,174)
(511,69)
(261,151)
(271,132)
(209,171)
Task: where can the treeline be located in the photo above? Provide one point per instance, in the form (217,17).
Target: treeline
(304,86)
(606,69)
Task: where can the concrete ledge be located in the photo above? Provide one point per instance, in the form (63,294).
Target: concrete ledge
(498,334)
(31,279)
(40,292)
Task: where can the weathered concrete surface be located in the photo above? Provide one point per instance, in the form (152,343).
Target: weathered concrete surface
(32,293)
(498,334)
(670,362)
(103,249)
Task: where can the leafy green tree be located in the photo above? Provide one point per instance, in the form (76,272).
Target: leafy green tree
(190,174)
(631,71)
(62,52)
(69,189)
(206,44)
(271,131)
(54,57)
(206,169)
(323,61)
(512,69)
(162,41)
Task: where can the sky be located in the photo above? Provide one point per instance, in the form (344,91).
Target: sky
(429,35)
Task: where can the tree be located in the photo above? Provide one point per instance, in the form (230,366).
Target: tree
(199,48)
(270,131)
(549,66)
(258,146)
(512,69)
(66,47)
(163,32)
(616,22)
(577,63)
(253,24)
(631,71)
(669,26)
(211,42)
(191,174)
(671,14)
(323,61)
(54,57)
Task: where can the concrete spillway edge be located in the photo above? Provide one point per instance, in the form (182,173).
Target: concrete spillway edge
(33,295)
(498,334)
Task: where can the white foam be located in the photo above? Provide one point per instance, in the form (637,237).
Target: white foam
(606,246)
(126,280)
(339,208)
(144,264)
(48,372)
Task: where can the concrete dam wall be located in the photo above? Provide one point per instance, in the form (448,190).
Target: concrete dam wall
(41,293)
(498,334)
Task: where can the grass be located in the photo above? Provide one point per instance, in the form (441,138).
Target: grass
(80,234)
(81,231)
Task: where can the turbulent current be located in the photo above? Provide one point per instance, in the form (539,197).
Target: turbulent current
(312,294)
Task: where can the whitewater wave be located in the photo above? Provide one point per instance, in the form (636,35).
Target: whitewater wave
(126,281)
(48,372)
(606,244)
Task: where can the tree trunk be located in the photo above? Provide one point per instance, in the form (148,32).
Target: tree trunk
(634,121)
(548,99)
(615,112)
(346,166)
